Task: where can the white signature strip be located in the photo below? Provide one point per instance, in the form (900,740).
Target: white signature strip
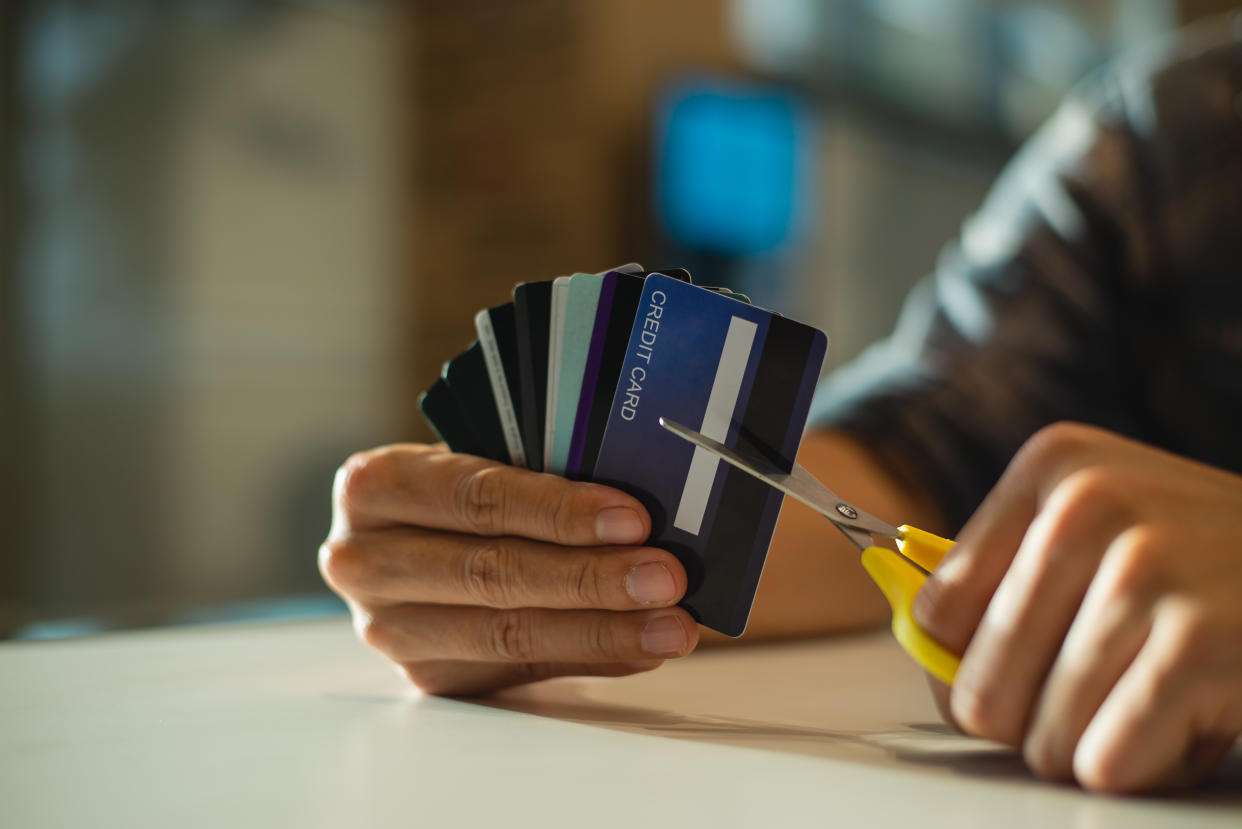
(721,404)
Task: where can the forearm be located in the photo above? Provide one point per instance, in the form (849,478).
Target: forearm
(813,581)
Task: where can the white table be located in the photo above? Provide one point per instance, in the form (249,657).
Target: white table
(298,725)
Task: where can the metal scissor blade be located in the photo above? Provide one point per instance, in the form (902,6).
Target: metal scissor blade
(799,483)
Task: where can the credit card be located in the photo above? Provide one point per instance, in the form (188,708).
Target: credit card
(442,411)
(532,307)
(556,350)
(740,374)
(497,332)
(466,377)
(618,302)
(676,273)
(730,294)
(581,303)
(614,317)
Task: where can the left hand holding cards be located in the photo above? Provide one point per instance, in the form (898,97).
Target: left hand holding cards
(473,576)
(473,573)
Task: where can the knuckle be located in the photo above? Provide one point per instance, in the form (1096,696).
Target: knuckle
(1054,444)
(419,676)
(1093,777)
(552,509)
(1194,650)
(601,638)
(1092,774)
(1098,769)
(373,632)
(1165,683)
(341,564)
(1051,441)
(560,514)
(1139,565)
(431,678)
(358,477)
(583,584)
(341,483)
(1089,498)
(481,500)
(1091,491)
(509,636)
(1035,755)
(1042,757)
(976,708)
(487,574)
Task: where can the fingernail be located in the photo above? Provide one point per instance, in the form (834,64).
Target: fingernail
(619,525)
(664,635)
(651,583)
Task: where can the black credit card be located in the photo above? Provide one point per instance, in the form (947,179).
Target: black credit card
(497,330)
(439,405)
(467,378)
(532,311)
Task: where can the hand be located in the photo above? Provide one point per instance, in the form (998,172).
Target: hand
(473,576)
(1096,597)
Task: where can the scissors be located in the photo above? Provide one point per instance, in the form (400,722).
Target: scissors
(898,574)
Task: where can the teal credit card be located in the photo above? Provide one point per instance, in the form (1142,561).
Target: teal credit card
(580,305)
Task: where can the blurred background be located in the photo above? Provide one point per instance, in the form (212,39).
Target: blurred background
(238,238)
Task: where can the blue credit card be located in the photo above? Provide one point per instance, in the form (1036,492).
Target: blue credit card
(734,372)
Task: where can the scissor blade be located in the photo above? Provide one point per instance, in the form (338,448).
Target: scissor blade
(798,482)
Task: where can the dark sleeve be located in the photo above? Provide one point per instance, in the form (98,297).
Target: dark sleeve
(1023,323)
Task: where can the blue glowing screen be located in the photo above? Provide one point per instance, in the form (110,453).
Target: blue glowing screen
(728,167)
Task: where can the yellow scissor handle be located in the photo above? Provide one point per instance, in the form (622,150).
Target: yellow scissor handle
(900,583)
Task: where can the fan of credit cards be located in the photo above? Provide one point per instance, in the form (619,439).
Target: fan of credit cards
(572,376)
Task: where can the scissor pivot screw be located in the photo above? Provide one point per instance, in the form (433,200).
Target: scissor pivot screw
(848,511)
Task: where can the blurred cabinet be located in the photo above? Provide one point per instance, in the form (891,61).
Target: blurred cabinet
(211,291)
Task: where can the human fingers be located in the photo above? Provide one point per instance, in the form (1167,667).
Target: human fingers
(1142,732)
(429,487)
(411,565)
(460,678)
(414,633)
(1111,626)
(952,601)
(1022,629)
(955,596)
(1164,721)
